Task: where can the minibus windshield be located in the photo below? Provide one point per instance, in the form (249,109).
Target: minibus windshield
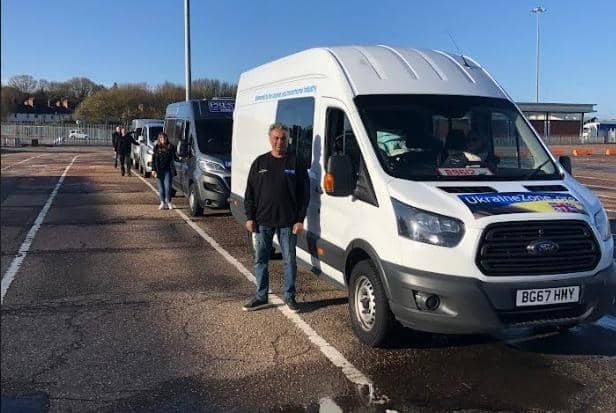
(214,135)
(447,137)
(154,131)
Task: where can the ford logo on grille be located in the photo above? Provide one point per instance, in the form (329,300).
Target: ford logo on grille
(542,247)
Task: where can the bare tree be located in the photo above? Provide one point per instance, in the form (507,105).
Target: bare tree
(23,83)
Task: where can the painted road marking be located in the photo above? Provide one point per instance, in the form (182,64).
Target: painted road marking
(608,322)
(329,351)
(20,162)
(9,275)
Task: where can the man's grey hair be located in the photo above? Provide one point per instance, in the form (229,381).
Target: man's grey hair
(279,126)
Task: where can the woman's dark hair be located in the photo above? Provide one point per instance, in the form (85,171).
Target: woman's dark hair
(165,146)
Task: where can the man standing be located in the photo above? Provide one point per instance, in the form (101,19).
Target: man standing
(276,199)
(115,137)
(124,148)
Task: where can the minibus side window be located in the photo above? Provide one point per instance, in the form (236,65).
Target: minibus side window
(298,115)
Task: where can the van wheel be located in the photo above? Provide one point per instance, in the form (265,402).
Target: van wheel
(193,202)
(371,318)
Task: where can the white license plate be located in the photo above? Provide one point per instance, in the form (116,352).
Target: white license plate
(547,296)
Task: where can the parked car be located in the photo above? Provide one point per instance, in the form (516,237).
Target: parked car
(77,135)
(433,201)
(201,132)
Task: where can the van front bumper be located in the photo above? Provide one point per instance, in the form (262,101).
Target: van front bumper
(469,305)
(214,190)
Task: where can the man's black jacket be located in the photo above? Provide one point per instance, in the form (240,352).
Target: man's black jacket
(278,191)
(124,142)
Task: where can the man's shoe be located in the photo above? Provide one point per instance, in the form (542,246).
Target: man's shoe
(161,206)
(292,304)
(169,205)
(254,304)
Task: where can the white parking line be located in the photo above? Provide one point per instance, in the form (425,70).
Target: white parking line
(9,275)
(20,162)
(329,351)
(608,322)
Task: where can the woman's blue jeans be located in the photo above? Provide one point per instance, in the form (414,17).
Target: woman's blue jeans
(164,185)
(287,241)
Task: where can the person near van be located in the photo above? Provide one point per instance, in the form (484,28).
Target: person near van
(163,168)
(115,137)
(275,202)
(124,148)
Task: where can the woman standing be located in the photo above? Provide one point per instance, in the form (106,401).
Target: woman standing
(163,168)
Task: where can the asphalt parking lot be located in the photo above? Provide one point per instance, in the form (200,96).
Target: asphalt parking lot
(118,306)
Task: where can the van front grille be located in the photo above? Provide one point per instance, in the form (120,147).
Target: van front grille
(505,248)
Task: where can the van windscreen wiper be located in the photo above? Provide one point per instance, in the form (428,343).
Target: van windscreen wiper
(537,169)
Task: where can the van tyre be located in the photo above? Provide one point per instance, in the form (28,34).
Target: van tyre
(193,202)
(371,317)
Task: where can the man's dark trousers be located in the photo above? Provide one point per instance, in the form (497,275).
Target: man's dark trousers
(125,160)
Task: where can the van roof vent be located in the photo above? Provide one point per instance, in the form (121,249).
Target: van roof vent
(468,189)
(546,188)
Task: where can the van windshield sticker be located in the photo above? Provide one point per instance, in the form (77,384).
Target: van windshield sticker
(463,171)
(286,93)
(482,205)
(220,106)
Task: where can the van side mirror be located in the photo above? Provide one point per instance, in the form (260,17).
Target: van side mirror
(565,161)
(338,180)
(182,149)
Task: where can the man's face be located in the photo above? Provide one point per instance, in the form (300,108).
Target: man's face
(278,140)
(123,131)
(118,129)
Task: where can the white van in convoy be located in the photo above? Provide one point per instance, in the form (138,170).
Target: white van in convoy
(145,132)
(433,200)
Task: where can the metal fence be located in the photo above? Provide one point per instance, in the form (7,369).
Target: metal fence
(577,140)
(17,134)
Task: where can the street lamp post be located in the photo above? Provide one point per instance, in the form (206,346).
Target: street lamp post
(538,10)
(187,47)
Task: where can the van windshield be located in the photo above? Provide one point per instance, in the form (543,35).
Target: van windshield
(154,131)
(447,137)
(214,135)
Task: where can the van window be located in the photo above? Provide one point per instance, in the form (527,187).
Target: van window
(340,139)
(298,115)
(214,135)
(153,132)
(170,131)
(448,137)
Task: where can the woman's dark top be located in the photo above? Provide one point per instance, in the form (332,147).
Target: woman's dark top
(163,157)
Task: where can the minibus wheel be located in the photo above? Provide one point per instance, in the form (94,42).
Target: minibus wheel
(193,202)
(371,318)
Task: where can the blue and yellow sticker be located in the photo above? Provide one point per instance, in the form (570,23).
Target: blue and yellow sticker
(482,205)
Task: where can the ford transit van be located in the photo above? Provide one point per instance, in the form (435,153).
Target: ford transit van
(433,200)
(201,133)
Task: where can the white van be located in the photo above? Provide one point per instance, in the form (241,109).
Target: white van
(433,201)
(145,132)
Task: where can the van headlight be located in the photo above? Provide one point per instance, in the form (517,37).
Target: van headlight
(211,166)
(603,224)
(428,227)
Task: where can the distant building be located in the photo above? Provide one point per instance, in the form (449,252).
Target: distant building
(554,121)
(30,112)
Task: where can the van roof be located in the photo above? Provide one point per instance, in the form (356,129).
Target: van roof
(381,69)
